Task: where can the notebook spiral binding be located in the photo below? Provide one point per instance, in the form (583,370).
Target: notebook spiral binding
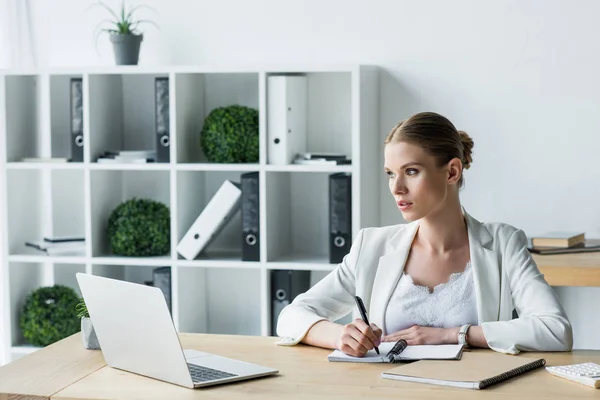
(512,373)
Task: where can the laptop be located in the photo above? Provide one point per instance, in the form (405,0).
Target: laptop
(136,334)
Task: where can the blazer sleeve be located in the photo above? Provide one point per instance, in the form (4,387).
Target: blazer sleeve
(542,324)
(330,299)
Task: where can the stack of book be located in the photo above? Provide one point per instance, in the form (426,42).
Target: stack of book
(563,242)
(322,159)
(128,156)
(59,246)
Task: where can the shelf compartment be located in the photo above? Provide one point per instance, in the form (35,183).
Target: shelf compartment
(123,113)
(24,279)
(328,112)
(197,95)
(109,189)
(298,219)
(220,301)
(195,189)
(23,107)
(44,204)
(66,102)
(65,274)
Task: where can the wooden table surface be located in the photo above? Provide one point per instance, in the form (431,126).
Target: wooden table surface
(65,370)
(577,269)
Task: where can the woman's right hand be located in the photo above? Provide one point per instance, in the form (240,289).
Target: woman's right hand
(357,338)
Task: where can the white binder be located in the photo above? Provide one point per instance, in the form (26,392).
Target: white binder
(286,118)
(211,220)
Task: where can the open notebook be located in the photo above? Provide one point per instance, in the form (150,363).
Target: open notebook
(391,352)
(476,370)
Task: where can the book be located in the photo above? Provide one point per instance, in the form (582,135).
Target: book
(476,370)
(58,248)
(558,239)
(391,352)
(63,239)
(45,159)
(588,246)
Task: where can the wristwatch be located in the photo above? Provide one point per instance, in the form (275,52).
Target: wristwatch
(462,334)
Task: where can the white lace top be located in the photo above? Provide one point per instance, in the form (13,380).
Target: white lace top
(451,304)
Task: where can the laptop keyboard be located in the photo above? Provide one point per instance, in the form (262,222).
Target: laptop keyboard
(204,374)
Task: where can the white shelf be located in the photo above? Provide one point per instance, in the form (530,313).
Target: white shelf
(27,258)
(302,262)
(130,167)
(157,261)
(309,168)
(44,166)
(218,167)
(219,264)
(67,199)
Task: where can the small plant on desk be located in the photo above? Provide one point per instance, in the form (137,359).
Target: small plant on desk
(88,334)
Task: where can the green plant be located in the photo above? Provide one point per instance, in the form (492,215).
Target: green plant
(230,135)
(81,308)
(121,21)
(48,315)
(140,227)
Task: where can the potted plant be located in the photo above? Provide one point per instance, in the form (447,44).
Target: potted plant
(123,32)
(88,334)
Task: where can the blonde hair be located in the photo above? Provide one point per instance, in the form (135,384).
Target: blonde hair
(437,136)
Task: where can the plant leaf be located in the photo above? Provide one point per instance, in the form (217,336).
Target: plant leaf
(107,8)
(144,21)
(129,15)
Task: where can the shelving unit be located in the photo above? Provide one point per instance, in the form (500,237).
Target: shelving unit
(217,292)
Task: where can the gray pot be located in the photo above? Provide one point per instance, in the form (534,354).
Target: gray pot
(88,335)
(126,48)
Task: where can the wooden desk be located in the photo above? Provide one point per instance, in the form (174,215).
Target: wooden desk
(65,370)
(577,269)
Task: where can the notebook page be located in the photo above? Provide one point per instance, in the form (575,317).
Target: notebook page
(444,351)
(370,357)
(432,352)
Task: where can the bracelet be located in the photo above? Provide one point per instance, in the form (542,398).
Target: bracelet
(462,334)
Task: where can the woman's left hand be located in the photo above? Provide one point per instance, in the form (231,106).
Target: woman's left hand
(417,335)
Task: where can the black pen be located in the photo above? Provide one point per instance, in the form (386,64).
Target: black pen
(363,314)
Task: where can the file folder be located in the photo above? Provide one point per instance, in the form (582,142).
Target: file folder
(219,210)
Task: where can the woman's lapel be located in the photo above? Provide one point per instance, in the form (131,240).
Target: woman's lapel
(389,270)
(486,272)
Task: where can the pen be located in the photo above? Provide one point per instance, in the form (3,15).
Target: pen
(363,314)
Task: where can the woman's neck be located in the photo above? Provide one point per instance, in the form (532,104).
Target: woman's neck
(443,231)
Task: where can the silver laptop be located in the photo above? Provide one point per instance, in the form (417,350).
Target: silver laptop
(136,334)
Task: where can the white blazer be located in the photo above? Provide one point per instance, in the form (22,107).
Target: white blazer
(505,276)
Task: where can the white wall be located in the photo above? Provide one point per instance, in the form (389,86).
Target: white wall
(522,77)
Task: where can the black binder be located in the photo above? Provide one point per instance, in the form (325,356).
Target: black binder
(161,87)
(340,216)
(76,114)
(285,286)
(250,217)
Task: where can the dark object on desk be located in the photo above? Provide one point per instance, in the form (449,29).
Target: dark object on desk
(363,314)
(590,245)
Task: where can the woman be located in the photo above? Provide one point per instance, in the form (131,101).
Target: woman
(443,277)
